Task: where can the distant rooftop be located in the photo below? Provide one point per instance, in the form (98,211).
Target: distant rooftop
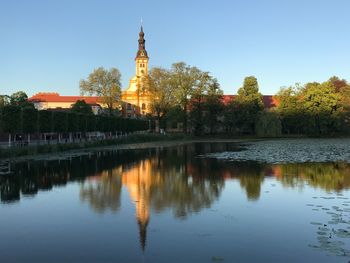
(269,100)
(56,97)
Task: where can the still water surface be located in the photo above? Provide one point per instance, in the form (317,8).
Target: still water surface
(168,205)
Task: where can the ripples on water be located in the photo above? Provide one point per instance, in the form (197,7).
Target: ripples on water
(179,207)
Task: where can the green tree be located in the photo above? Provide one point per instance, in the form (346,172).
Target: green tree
(11,119)
(268,124)
(29,121)
(162,94)
(199,98)
(81,107)
(321,103)
(4,100)
(247,105)
(213,106)
(205,103)
(18,98)
(290,110)
(60,123)
(183,80)
(175,116)
(45,121)
(105,84)
(230,117)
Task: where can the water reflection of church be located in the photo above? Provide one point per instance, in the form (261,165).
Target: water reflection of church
(186,184)
(160,179)
(139,180)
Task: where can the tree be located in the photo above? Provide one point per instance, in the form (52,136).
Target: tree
(175,116)
(230,117)
(248,104)
(18,98)
(45,122)
(205,103)
(81,107)
(11,119)
(105,84)
(214,106)
(183,80)
(321,103)
(290,110)
(198,99)
(268,124)
(4,100)
(29,121)
(338,83)
(345,106)
(60,122)
(162,93)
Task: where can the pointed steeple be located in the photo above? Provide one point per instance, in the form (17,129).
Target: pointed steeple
(141,53)
(143,233)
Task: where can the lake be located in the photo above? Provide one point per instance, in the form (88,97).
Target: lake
(184,203)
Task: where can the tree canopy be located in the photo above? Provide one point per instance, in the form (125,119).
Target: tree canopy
(242,112)
(103,83)
(162,93)
(81,107)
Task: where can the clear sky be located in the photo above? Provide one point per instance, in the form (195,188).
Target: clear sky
(48,46)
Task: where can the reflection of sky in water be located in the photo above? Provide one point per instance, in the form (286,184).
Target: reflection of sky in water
(250,219)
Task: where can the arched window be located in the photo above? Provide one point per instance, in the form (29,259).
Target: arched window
(143,106)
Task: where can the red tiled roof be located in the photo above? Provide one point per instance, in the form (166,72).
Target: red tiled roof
(55,97)
(268,100)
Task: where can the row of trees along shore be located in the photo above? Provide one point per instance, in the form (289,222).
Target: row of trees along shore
(17,115)
(187,94)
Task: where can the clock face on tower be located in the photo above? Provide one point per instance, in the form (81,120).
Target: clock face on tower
(142,53)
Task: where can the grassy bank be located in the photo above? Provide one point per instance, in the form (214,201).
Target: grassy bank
(54,148)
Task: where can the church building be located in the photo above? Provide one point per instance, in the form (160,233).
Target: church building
(136,99)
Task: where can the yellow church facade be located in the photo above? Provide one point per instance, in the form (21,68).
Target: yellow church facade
(136,99)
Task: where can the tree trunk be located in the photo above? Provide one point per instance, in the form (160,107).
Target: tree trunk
(185,118)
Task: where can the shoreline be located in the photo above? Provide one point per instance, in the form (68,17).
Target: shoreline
(122,146)
(133,142)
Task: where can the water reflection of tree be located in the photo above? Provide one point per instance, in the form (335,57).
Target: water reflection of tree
(104,193)
(169,178)
(327,176)
(190,183)
(186,185)
(252,185)
(29,178)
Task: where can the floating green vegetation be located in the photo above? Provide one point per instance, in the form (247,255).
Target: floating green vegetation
(334,236)
(217,259)
(291,151)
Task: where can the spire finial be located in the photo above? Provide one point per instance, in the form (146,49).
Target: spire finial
(142,50)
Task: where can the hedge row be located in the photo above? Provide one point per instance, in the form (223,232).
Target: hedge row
(14,119)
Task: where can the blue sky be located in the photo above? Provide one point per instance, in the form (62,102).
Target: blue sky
(50,45)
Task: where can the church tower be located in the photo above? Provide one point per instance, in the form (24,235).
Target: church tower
(136,98)
(141,57)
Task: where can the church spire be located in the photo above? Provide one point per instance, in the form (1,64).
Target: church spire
(143,233)
(141,53)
